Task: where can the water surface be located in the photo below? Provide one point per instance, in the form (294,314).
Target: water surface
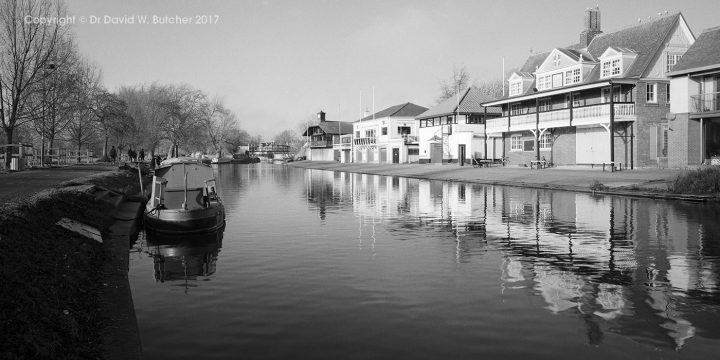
(322,265)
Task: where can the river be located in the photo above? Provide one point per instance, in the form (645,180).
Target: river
(315,264)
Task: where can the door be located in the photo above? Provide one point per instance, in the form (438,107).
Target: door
(592,145)
(383,155)
(396,155)
(461,154)
(435,153)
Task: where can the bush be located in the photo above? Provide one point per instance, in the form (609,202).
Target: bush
(705,180)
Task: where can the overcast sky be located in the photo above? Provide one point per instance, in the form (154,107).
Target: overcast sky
(277,62)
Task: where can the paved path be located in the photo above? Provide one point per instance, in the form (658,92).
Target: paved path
(570,178)
(28,182)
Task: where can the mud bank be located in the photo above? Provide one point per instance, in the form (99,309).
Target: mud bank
(64,256)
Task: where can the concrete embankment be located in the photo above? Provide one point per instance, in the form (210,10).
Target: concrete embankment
(64,251)
(652,183)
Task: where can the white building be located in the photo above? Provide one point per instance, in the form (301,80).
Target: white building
(388,136)
(454,130)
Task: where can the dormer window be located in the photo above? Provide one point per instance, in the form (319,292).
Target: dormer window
(572,76)
(516,87)
(611,67)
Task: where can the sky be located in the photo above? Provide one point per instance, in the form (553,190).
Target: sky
(277,63)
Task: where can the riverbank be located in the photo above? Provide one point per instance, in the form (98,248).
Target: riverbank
(64,255)
(652,183)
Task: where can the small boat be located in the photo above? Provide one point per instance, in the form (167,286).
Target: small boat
(184,199)
(221,160)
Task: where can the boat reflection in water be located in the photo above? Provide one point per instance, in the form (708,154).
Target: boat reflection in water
(184,258)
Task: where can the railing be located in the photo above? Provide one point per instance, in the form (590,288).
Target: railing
(410,139)
(556,118)
(596,114)
(496,125)
(321,143)
(702,103)
(522,122)
(365,141)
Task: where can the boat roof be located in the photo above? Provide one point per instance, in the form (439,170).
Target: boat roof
(173,170)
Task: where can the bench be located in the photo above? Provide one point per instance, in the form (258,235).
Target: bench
(539,164)
(481,162)
(611,166)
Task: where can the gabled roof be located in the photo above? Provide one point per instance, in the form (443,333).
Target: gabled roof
(470,102)
(704,54)
(401,110)
(333,127)
(644,39)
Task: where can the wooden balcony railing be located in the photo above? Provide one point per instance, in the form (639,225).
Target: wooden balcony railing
(365,141)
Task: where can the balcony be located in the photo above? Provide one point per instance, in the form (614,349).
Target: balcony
(321,143)
(497,125)
(600,114)
(410,139)
(705,103)
(365,141)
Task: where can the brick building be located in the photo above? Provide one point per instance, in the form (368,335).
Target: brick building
(563,105)
(695,104)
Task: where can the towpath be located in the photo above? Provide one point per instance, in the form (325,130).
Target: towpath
(25,183)
(639,182)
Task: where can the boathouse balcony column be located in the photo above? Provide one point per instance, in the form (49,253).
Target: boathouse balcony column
(485,137)
(537,129)
(611,127)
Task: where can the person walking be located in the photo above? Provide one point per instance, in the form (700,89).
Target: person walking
(142,154)
(113,154)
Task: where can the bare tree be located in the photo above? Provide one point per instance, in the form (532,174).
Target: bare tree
(110,114)
(291,138)
(82,129)
(219,122)
(26,51)
(459,82)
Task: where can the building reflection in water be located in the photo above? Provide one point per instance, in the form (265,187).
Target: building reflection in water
(636,267)
(182,259)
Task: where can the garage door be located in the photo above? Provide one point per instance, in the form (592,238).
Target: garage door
(592,146)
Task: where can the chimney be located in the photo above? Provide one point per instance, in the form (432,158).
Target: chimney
(321,116)
(592,26)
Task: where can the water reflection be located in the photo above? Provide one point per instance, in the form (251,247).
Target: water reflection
(183,260)
(644,269)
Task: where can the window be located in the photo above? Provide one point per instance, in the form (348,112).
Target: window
(671,60)
(611,67)
(403,130)
(515,88)
(516,143)
(544,104)
(383,130)
(572,76)
(357,134)
(544,82)
(651,93)
(545,141)
(667,94)
(474,119)
(575,100)
(370,133)
(557,80)
(450,120)
(515,109)
(411,152)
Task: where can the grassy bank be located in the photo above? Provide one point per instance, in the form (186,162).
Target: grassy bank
(705,180)
(51,278)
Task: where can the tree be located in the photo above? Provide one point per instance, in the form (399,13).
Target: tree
(82,126)
(459,82)
(27,49)
(110,114)
(290,138)
(219,123)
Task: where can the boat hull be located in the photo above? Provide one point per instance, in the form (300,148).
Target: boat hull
(179,221)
